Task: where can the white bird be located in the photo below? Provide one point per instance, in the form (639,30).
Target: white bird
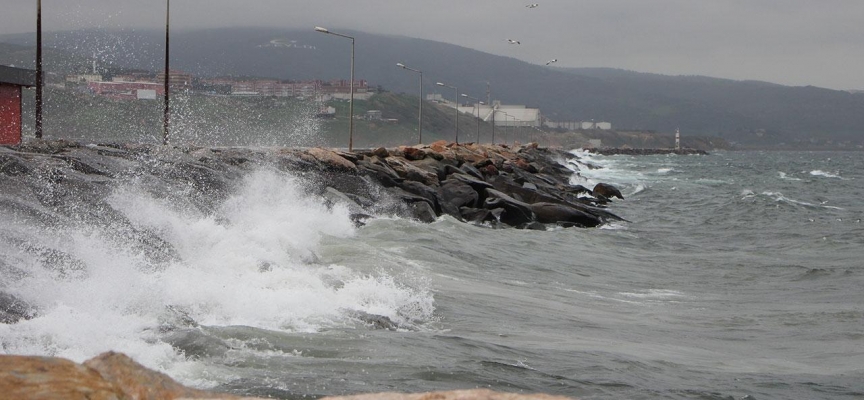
(513,41)
(535,5)
(552,61)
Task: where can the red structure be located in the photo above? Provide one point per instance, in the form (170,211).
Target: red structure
(11,82)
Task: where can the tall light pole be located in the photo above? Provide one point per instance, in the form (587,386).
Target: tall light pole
(351,101)
(39,69)
(478,114)
(420,115)
(455,106)
(167,110)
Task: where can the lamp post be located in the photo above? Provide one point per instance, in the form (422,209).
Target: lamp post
(455,106)
(420,106)
(167,109)
(39,69)
(351,101)
(478,114)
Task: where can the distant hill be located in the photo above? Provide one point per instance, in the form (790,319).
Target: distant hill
(746,112)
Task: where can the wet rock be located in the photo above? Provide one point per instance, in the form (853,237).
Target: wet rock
(607,190)
(551,213)
(137,382)
(515,212)
(424,191)
(13,309)
(454,194)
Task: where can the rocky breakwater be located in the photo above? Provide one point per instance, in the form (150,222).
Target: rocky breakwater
(115,376)
(494,185)
(498,185)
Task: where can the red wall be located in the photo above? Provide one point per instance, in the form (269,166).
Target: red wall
(10,114)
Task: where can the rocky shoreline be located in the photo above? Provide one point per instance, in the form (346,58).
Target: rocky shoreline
(525,187)
(48,183)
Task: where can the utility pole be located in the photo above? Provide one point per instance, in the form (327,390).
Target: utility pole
(39,78)
(167,114)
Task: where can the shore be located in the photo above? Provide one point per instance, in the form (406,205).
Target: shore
(526,187)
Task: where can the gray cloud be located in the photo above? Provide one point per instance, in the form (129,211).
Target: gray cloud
(793,42)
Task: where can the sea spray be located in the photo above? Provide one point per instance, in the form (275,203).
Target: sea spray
(252,262)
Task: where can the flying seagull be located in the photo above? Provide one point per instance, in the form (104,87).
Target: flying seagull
(535,5)
(513,41)
(551,61)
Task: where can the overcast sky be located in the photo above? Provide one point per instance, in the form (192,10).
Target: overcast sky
(791,42)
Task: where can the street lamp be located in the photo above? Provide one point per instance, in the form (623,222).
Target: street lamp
(478,114)
(456,106)
(351,101)
(420,116)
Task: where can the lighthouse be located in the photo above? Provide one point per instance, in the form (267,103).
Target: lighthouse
(677,139)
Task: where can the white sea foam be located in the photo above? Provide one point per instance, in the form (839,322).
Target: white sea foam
(780,198)
(253,263)
(786,177)
(825,174)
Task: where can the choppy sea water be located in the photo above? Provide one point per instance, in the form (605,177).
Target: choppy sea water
(738,275)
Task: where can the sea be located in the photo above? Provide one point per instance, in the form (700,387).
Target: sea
(737,275)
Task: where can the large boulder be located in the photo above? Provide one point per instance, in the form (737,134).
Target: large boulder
(515,213)
(23,377)
(455,194)
(553,213)
(608,191)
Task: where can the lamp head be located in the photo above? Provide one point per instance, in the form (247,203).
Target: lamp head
(400,65)
(320,29)
(439,84)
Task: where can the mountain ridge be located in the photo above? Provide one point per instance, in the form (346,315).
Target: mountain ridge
(747,112)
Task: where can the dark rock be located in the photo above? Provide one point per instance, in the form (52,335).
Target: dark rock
(424,191)
(607,190)
(13,166)
(13,309)
(534,226)
(476,184)
(551,213)
(471,170)
(515,211)
(422,211)
(381,152)
(477,215)
(454,194)
(414,154)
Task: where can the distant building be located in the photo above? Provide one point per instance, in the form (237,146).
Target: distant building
(127,90)
(176,80)
(11,81)
(596,125)
(374,115)
(577,125)
(82,79)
